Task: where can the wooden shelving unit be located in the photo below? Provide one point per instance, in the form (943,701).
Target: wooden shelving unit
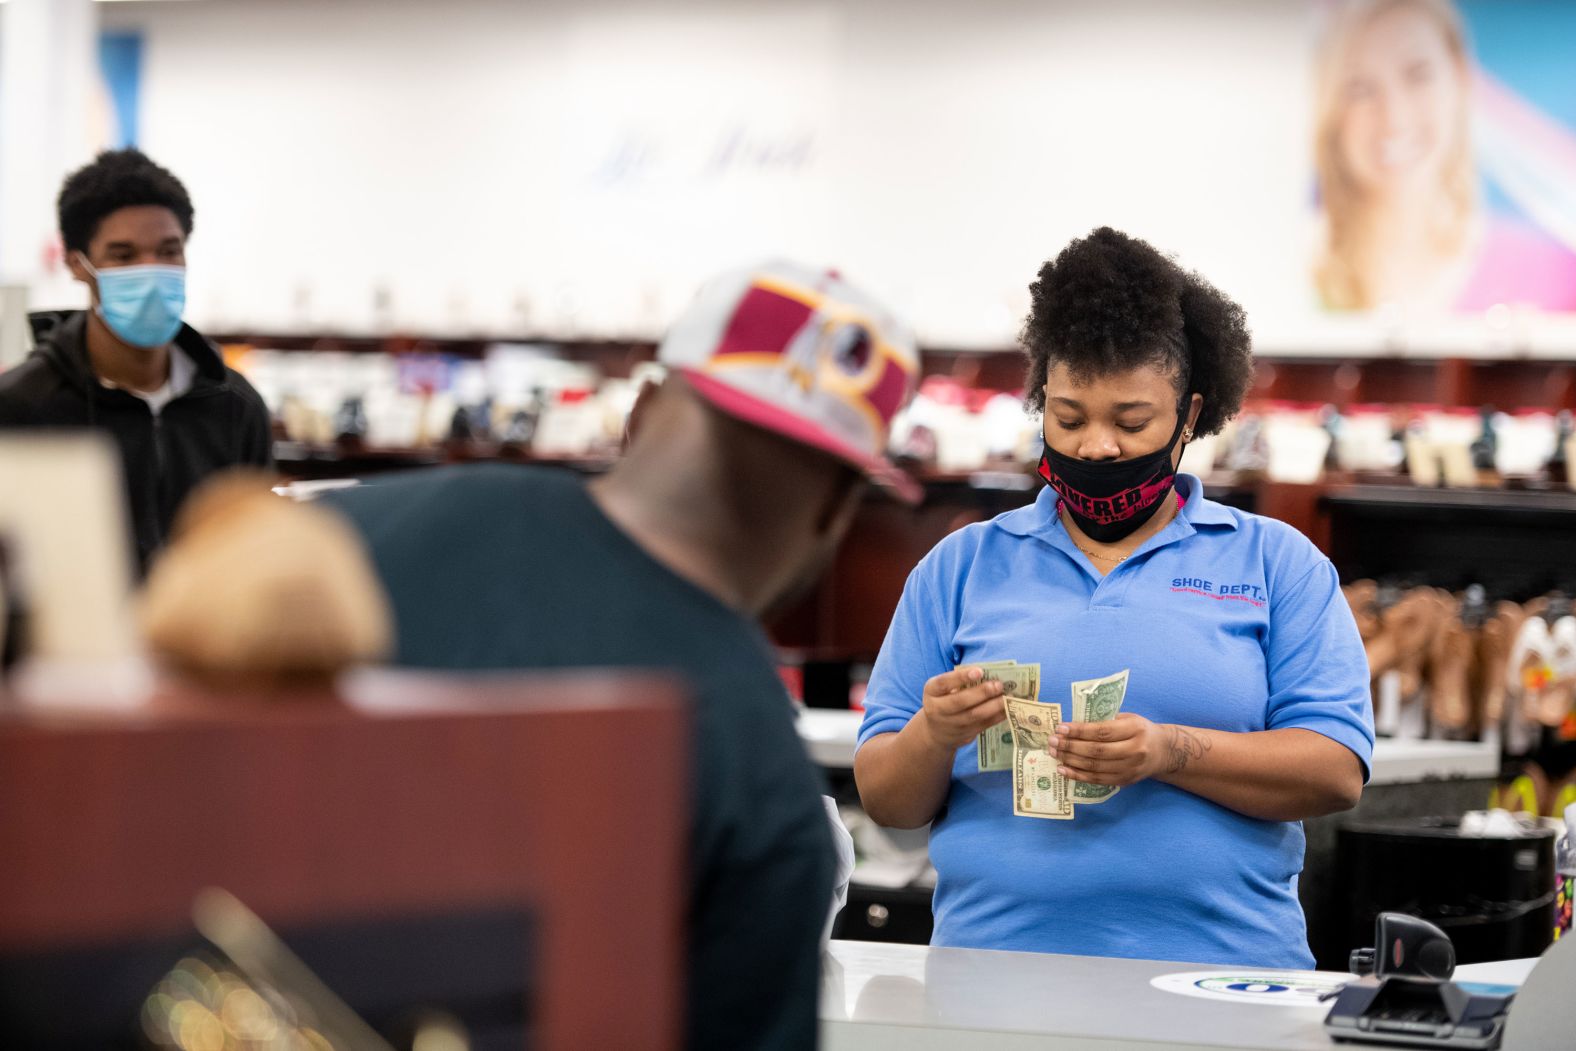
(1508,384)
(1378,526)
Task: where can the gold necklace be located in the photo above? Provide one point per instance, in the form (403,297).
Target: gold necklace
(1103,558)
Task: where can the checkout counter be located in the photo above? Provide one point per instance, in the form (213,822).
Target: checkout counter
(877,997)
(889,996)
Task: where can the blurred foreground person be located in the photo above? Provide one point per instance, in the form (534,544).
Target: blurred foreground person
(300,603)
(743,471)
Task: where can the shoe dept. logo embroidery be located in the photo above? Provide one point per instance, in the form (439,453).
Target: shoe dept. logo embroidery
(1252,594)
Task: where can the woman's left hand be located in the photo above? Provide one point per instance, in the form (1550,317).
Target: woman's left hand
(1117,752)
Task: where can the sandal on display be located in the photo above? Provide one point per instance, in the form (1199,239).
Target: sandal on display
(1424,612)
(1530,670)
(1451,664)
(1498,635)
(1559,696)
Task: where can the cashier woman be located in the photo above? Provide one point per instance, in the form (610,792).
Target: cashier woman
(1247,708)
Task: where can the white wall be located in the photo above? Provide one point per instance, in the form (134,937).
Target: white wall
(48,126)
(505,167)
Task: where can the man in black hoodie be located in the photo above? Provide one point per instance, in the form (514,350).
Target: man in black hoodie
(129,366)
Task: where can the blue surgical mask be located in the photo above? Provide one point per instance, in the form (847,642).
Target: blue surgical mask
(141,304)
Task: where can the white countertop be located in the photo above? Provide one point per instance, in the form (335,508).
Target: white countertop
(1500,972)
(829,737)
(1398,762)
(878,997)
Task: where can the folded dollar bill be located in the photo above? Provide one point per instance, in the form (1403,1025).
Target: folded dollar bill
(1095,701)
(1018,680)
(1038,790)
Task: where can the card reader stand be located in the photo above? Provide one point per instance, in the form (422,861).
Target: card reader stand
(1416,1012)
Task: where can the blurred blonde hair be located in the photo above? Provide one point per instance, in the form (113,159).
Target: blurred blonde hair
(258,587)
(1339,275)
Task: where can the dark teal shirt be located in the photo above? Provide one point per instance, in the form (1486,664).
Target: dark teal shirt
(497,567)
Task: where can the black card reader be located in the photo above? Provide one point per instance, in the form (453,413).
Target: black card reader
(1406,1011)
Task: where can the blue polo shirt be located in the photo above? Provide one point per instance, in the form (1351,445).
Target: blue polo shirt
(1227,621)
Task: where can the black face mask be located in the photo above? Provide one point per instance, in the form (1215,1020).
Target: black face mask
(1109,499)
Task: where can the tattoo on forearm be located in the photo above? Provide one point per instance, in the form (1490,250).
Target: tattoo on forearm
(1183,747)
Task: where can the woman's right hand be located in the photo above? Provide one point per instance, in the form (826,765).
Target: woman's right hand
(904,777)
(958,706)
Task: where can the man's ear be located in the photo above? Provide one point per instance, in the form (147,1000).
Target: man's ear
(74,263)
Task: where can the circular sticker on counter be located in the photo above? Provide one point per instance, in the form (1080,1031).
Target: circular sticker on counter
(1274,988)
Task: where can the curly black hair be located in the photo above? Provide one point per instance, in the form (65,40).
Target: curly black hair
(116,179)
(1110,302)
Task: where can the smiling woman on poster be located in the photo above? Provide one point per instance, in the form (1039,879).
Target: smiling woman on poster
(1246,707)
(1397,149)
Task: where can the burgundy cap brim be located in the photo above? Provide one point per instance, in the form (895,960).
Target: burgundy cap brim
(764,414)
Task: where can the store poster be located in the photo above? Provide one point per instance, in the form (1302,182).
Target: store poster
(1444,145)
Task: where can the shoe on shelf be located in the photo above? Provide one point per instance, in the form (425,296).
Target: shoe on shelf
(1449,672)
(1559,697)
(1494,643)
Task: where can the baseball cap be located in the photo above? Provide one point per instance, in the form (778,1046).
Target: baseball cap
(801,352)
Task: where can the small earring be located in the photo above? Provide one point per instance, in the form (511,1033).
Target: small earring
(1187,434)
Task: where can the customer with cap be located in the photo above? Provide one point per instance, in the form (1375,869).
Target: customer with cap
(129,366)
(1247,705)
(743,470)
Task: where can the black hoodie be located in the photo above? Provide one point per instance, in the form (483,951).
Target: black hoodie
(220,422)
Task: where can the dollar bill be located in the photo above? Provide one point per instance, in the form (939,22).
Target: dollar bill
(1037,789)
(1096,701)
(994,746)
(1017,680)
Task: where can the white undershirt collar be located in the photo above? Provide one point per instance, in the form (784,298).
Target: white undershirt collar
(183,370)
